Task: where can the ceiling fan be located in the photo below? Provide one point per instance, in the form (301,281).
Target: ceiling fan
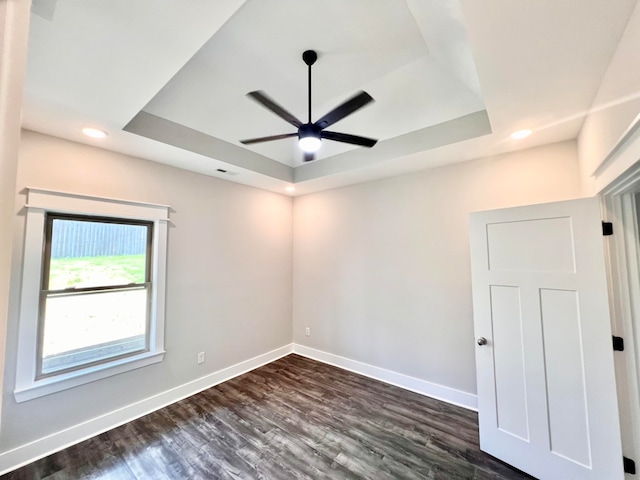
(310,134)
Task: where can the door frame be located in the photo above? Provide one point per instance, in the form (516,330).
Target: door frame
(622,250)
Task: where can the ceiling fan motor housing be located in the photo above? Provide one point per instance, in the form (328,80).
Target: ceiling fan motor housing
(309,130)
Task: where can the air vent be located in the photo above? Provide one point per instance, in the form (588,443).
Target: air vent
(226,172)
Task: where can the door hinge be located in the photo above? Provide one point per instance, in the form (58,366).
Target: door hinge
(618,344)
(607,228)
(629,465)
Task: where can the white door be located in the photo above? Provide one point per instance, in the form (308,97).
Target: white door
(546,387)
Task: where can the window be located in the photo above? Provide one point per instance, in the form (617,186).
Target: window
(93,290)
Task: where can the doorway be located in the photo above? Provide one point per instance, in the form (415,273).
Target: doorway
(621,206)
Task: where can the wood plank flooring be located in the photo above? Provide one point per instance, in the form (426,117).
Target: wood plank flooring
(292,419)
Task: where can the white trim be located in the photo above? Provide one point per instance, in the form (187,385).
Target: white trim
(423,387)
(628,183)
(66,202)
(623,274)
(40,202)
(48,385)
(623,157)
(618,180)
(25,454)
(622,140)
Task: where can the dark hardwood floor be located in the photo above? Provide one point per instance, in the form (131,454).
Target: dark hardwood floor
(292,419)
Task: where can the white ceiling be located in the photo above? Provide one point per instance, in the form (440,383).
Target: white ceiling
(451,79)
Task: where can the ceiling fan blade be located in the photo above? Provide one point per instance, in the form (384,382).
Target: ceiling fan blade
(266,102)
(346,138)
(308,156)
(268,139)
(347,108)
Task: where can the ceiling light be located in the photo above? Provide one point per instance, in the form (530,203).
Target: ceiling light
(310,143)
(290,189)
(520,134)
(94,132)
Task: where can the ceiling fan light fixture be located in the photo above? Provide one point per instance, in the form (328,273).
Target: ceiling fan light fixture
(310,143)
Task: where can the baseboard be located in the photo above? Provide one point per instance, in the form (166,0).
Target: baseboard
(25,454)
(433,390)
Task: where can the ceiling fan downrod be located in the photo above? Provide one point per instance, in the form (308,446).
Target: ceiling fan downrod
(309,57)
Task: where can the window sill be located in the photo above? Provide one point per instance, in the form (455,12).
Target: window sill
(46,386)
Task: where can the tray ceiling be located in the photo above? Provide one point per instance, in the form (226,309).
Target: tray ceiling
(451,79)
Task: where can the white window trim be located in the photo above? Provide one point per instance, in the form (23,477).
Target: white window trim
(39,202)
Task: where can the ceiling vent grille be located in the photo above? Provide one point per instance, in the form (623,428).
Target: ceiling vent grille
(226,172)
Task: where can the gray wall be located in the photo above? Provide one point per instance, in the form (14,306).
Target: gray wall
(228,277)
(381,269)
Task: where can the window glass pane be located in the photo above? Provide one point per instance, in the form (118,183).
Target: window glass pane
(89,254)
(81,328)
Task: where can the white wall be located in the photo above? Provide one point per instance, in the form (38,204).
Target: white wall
(381,269)
(229,277)
(14,25)
(615,108)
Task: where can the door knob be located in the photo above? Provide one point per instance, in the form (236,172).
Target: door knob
(482,341)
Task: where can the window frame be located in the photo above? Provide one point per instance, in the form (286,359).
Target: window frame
(45,289)
(40,204)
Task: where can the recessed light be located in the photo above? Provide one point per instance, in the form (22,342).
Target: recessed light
(520,134)
(290,189)
(94,132)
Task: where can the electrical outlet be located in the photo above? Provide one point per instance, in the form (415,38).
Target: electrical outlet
(200,358)
(307,331)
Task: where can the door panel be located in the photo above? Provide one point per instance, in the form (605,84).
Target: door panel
(564,370)
(546,388)
(510,248)
(509,372)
